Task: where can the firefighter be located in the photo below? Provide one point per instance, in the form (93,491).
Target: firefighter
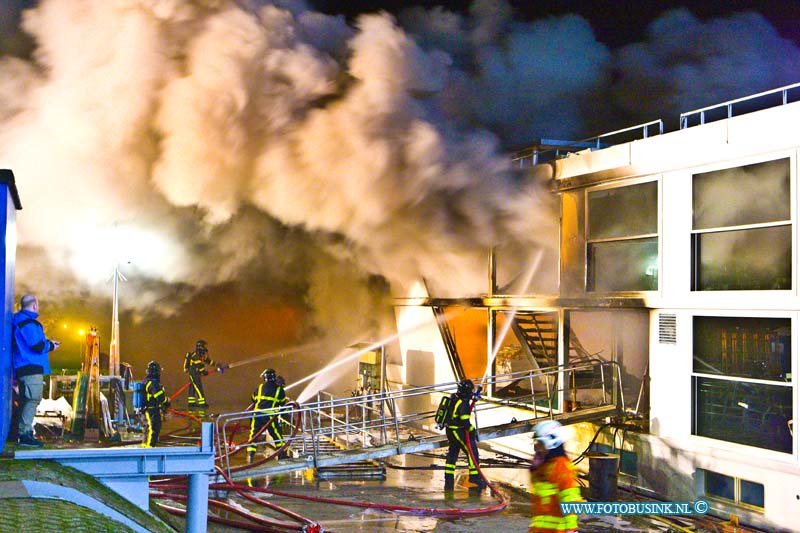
(553,481)
(196,364)
(155,400)
(461,436)
(268,397)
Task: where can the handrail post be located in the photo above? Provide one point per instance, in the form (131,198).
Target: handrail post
(533,391)
(365,414)
(383,419)
(219,435)
(603,381)
(619,386)
(549,392)
(304,425)
(396,425)
(225,442)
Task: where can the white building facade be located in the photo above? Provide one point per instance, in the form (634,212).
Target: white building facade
(678,258)
(717,271)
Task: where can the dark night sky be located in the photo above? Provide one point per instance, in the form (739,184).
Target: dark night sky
(615,22)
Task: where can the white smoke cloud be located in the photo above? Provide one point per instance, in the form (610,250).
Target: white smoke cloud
(186,141)
(201,143)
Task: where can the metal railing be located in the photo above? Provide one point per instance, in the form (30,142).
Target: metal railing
(533,155)
(728,107)
(374,420)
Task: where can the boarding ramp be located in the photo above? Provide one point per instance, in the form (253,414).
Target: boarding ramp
(334,431)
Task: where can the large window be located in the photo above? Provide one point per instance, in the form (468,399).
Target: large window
(741,228)
(622,247)
(742,390)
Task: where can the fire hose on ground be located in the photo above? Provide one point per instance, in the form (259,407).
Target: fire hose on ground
(259,524)
(256,523)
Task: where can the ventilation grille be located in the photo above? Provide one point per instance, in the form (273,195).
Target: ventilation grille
(666,329)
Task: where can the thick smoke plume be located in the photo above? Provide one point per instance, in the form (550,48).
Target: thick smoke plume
(330,165)
(196,142)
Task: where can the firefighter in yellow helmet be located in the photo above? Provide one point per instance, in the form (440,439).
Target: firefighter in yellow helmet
(155,400)
(553,481)
(196,364)
(268,397)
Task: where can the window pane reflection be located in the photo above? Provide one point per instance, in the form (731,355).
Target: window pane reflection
(757,348)
(624,211)
(753,414)
(751,194)
(624,265)
(748,259)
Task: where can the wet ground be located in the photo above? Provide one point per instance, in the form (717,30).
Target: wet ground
(414,481)
(411,481)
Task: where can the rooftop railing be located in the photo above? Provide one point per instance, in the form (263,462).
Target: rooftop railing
(746,104)
(534,155)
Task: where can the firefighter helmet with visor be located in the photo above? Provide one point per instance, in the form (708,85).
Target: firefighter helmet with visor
(465,387)
(550,433)
(269,375)
(153,369)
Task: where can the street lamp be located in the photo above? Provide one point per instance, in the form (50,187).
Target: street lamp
(81,342)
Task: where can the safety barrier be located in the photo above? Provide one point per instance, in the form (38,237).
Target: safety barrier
(373,425)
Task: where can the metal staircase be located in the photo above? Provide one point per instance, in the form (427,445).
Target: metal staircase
(376,426)
(539,331)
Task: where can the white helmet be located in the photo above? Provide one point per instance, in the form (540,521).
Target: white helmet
(550,433)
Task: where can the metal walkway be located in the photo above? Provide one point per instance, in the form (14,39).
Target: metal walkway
(335,431)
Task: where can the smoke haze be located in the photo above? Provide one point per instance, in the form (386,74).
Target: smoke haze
(233,156)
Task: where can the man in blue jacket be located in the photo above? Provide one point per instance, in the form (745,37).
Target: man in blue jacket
(29,349)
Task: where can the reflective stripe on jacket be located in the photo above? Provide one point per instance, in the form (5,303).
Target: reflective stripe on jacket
(154,394)
(268,396)
(460,414)
(197,362)
(552,483)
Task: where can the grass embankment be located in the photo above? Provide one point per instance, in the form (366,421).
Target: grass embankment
(34,515)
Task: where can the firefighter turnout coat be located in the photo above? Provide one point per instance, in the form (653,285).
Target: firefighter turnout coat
(552,483)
